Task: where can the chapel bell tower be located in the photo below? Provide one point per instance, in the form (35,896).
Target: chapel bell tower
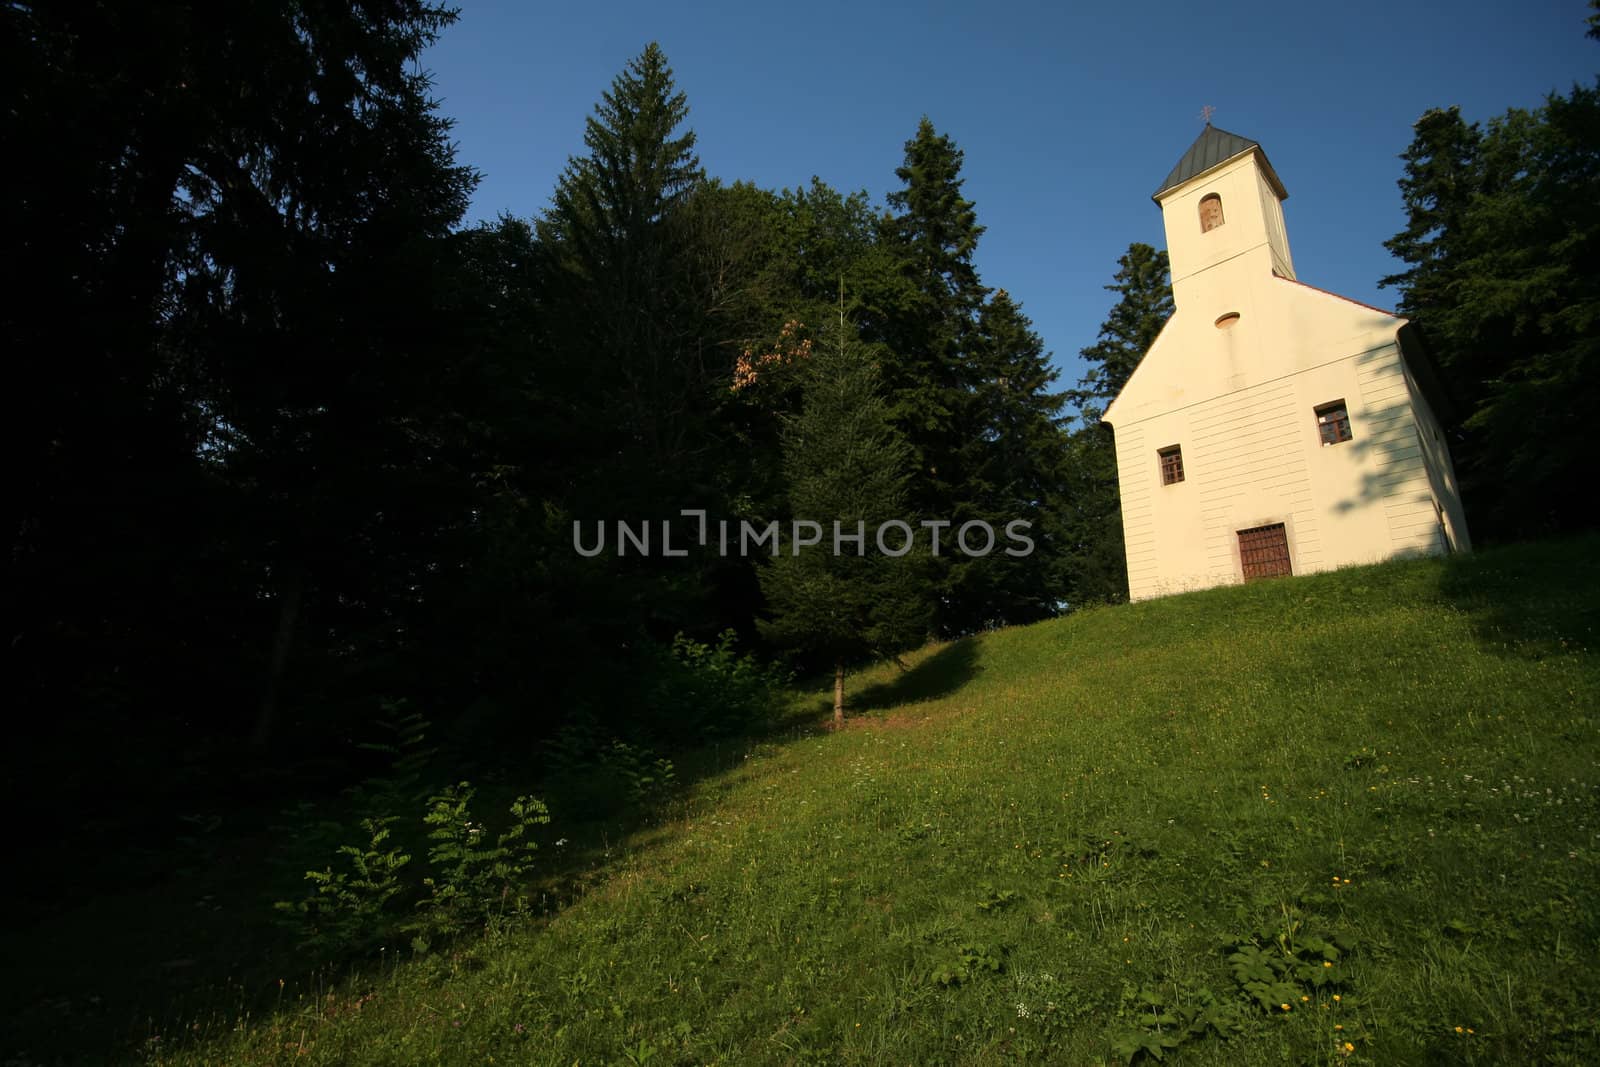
(1223,210)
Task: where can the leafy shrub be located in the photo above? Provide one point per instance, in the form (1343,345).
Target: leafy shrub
(703,690)
(348,909)
(359,904)
(405,744)
(598,774)
(471,878)
(361,900)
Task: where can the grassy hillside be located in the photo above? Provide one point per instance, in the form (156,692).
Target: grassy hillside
(1349,818)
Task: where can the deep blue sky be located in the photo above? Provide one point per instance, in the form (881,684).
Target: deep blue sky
(1070,114)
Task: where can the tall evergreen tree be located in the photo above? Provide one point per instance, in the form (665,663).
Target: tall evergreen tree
(930,315)
(845,463)
(612,229)
(629,326)
(1502,224)
(1443,174)
(1143,286)
(1015,459)
(318,209)
(265,194)
(969,385)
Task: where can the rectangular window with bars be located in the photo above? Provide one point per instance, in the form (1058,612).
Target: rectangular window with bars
(1333,423)
(1264,552)
(1171,465)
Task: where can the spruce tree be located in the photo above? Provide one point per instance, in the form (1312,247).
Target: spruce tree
(1443,173)
(930,315)
(1502,224)
(845,462)
(625,326)
(1015,459)
(1143,286)
(257,207)
(619,294)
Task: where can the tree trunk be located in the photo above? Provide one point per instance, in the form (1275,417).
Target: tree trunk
(838,693)
(288,619)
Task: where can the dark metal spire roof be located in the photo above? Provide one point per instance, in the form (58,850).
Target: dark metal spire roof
(1212,147)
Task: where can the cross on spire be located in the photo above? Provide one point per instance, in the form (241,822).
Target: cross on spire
(1206,113)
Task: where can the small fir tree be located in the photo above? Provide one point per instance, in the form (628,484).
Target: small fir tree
(844,462)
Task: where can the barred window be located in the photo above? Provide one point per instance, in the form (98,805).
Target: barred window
(1264,552)
(1333,423)
(1171,465)
(1210,212)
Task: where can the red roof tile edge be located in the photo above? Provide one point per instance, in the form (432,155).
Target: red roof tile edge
(1346,299)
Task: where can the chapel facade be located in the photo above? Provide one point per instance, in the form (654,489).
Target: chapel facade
(1273,428)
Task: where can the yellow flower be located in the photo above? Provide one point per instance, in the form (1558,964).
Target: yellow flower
(1327,963)
(1285,1007)
(1304,999)
(1336,996)
(1338,1026)
(1348,1047)
(1459,1030)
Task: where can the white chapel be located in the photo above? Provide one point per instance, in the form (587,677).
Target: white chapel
(1273,428)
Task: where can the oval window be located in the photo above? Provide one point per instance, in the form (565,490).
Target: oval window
(1210,212)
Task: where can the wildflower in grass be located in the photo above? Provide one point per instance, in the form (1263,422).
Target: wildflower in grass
(1349,1048)
(1336,997)
(1460,1030)
(1285,1007)
(1327,963)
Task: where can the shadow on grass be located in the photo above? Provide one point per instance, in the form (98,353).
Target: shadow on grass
(179,930)
(1529,600)
(941,674)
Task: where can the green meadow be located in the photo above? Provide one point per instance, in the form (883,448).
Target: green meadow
(1347,818)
